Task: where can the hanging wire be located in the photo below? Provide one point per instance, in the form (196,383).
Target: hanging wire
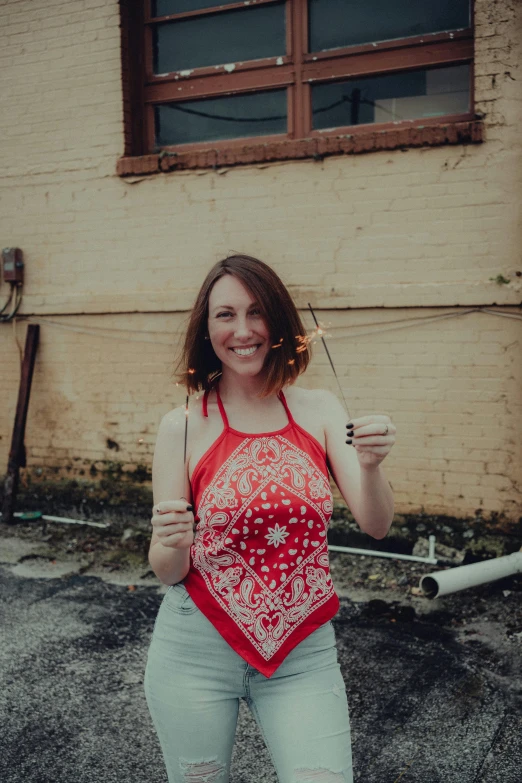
(103,332)
(7,302)
(381,327)
(178,106)
(5,318)
(408,322)
(503,315)
(420,320)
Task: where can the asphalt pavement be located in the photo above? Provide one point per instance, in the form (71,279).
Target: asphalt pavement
(434,688)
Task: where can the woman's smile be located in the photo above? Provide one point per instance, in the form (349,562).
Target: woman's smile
(247,350)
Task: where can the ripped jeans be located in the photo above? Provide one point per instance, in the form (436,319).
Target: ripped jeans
(193,683)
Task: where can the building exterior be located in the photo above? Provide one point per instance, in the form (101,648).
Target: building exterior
(396,215)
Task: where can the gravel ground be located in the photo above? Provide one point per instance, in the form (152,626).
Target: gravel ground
(434,687)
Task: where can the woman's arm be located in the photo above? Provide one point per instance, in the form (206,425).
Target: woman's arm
(169,553)
(356,468)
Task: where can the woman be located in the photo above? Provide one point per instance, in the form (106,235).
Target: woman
(249,608)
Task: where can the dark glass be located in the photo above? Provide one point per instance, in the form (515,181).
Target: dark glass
(408,95)
(166,7)
(337,23)
(230,117)
(219,39)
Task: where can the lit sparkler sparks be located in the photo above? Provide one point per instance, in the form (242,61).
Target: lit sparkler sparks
(303,340)
(320,332)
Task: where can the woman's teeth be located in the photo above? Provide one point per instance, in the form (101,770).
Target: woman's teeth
(245,351)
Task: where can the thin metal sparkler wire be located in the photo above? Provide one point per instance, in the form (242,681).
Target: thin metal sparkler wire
(186,429)
(330,359)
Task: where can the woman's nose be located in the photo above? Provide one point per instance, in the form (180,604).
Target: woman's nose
(242,328)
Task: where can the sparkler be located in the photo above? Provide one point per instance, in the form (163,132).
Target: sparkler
(186,430)
(191,371)
(320,332)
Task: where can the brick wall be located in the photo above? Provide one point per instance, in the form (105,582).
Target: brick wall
(389,235)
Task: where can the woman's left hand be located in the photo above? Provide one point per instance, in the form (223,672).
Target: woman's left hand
(373,437)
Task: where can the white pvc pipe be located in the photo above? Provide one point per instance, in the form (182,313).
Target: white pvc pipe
(454,579)
(393,555)
(64,520)
(68,521)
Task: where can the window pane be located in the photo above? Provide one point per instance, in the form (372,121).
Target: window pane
(392,98)
(218,39)
(337,23)
(165,7)
(231,117)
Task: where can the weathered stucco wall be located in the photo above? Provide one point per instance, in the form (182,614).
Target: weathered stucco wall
(391,235)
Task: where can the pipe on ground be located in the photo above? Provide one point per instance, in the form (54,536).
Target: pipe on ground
(444,582)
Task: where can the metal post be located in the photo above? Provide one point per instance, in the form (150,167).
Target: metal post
(17,452)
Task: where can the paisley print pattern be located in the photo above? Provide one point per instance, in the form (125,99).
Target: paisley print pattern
(260,541)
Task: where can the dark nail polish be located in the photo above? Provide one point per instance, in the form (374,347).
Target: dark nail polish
(350,426)
(348,441)
(349,434)
(190,508)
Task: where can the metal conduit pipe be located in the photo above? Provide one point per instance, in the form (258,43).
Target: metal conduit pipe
(393,555)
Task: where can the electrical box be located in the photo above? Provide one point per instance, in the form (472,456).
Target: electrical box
(13,265)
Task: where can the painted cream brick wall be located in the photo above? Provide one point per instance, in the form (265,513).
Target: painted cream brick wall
(450,385)
(414,232)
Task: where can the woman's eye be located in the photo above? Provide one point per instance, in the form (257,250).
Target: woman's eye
(221,315)
(255,312)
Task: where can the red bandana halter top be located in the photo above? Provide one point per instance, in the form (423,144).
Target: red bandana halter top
(259,568)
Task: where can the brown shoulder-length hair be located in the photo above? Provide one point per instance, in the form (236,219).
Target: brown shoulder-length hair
(199,367)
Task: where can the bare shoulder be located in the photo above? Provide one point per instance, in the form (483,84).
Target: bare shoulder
(174,421)
(316,403)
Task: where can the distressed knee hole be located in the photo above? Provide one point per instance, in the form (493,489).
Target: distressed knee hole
(318,776)
(202,771)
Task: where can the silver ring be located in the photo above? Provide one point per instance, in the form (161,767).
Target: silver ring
(385,431)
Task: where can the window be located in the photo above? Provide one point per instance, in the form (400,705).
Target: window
(218,84)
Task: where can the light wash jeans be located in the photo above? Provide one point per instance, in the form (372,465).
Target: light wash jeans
(193,683)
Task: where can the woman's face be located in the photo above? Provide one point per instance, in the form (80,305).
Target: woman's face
(237,331)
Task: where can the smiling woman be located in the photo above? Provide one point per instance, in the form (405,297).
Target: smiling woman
(251,614)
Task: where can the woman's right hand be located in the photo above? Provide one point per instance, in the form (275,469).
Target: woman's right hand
(173,523)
